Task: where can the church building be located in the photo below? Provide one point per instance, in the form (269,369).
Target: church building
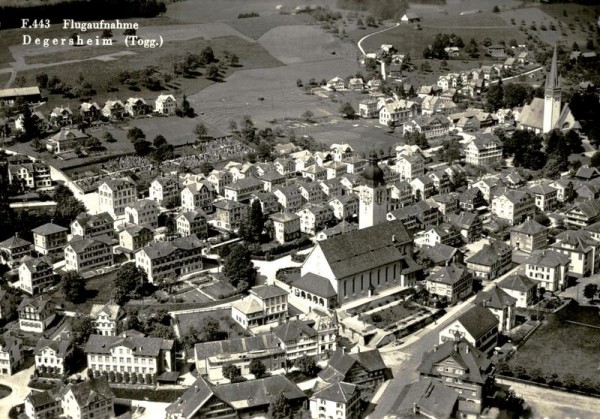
(544,115)
(374,197)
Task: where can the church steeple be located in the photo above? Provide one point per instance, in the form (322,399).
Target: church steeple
(552,95)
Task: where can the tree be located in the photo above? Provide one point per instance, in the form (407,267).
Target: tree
(41,80)
(257,368)
(279,408)
(81,329)
(496,9)
(517,94)
(212,72)
(552,169)
(108,137)
(595,160)
(20,81)
(495,97)
(159,140)
(231,372)
(128,282)
(471,49)
(234,60)
(67,206)
(347,111)
(255,223)
(206,168)
(135,134)
(425,67)
(73,287)
(201,132)
(307,365)
(207,56)
(142,147)
(590,291)
(450,150)
(238,266)
(248,130)
(308,116)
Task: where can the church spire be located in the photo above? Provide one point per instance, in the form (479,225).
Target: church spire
(552,81)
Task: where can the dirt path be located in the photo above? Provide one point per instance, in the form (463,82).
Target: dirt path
(360,41)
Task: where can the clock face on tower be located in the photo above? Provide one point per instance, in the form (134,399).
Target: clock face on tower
(367,198)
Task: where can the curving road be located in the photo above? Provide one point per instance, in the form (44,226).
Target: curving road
(360,41)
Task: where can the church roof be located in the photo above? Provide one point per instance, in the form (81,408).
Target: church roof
(552,80)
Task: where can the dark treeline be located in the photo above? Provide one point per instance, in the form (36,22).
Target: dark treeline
(379,9)
(81,10)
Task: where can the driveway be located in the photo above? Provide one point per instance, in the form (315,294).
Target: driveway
(18,384)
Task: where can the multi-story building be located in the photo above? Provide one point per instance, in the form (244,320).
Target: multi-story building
(230,214)
(105,318)
(453,282)
(132,238)
(65,140)
(267,200)
(197,196)
(491,261)
(271,180)
(51,357)
(485,151)
(241,189)
(265,304)
(11,353)
(521,288)
(422,188)
(43,404)
(546,197)
(136,106)
(116,194)
(432,126)
(513,206)
(345,206)
(113,109)
(36,314)
(501,304)
(410,167)
(211,357)
(219,179)
(583,214)
(35,275)
(192,222)
(49,240)
(583,250)
(365,369)
(93,225)
(14,249)
(529,236)
(478,326)
(129,354)
(165,105)
(368,108)
(311,192)
(173,258)
(164,190)
(469,225)
(286,226)
(285,166)
(289,198)
(29,175)
(461,366)
(549,268)
(314,217)
(301,338)
(336,400)
(142,212)
(83,254)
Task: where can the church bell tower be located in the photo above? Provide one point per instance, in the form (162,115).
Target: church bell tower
(374,198)
(552,96)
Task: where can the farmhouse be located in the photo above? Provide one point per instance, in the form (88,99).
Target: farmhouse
(30,94)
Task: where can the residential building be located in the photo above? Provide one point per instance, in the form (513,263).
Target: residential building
(31,94)
(491,261)
(129,354)
(164,190)
(285,166)
(501,304)
(564,189)
(264,304)
(529,236)
(84,253)
(464,368)
(397,113)
(453,282)
(289,198)
(336,400)
(471,200)
(165,105)
(36,314)
(35,275)
(136,106)
(428,398)
(192,222)
(340,228)
(478,326)
(29,175)
(230,214)
(422,188)
(311,192)
(444,233)
(549,268)
(43,404)
(267,200)
(242,189)
(86,225)
(485,151)
(52,357)
(173,258)
(469,225)
(314,217)
(583,250)
(432,126)
(365,369)
(546,197)
(359,262)
(197,196)
(89,111)
(583,214)
(244,399)
(142,212)
(49,240)
(105,318)
(521,288)
(345,206)
(513,206)
(314,172)
(65,140)
(271,180)
(133,238)
(400,194)
(14,249)
(368,108)
(286,226)
(114,109)
(11,354)
(116,194)
(315,337)
(410,167)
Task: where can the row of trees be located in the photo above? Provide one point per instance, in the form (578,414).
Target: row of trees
(509,96)
(124,377)
(158,150)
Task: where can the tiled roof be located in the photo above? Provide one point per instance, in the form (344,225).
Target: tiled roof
(236,346)
(111,308)
(13,242)
(268,291)
(429,396)
(548,258)
(517,282)
(47,229)
(449,275)
(338,392)
(316,285)
(292,330)
(283,217)
(192,400)
(477,321)
(142,346)
(529,227)
(60,347)
(495,298)
(89,391)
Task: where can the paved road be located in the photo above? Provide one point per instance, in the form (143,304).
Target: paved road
(360,41)
(18,384)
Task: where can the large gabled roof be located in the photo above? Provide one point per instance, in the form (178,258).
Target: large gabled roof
(477,321)
(48,228)
(338,392)
(495,298)
(429,396)
(292,330)
(517,282)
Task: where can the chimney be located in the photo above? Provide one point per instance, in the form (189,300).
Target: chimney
(393,238)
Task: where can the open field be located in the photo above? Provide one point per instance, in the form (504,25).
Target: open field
(98,290)
(219,289)
(563,348)
(393,314)
(410,40)
(256,27)
(223,316)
